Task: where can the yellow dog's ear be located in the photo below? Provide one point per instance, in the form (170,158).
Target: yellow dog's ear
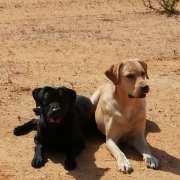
(113,73)
(144,65)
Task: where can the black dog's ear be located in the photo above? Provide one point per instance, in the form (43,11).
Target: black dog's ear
(36,96)
(69,93)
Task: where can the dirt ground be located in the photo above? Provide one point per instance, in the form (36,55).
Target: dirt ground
(72,43)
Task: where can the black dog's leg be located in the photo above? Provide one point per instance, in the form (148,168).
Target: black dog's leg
(25,128)
(37,110)
(70,161)
(72,152)
(38,160)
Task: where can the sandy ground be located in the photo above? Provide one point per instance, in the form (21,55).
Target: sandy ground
(72,43)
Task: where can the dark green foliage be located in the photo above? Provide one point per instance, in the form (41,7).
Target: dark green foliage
(168,5)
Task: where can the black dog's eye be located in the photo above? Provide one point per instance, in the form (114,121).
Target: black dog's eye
(130,76)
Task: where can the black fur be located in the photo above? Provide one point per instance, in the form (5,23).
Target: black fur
(64,120)
(25,128)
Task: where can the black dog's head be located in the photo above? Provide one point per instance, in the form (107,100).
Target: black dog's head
(54,103)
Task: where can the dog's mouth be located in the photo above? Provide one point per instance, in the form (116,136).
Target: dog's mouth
(54,120)
(142,95)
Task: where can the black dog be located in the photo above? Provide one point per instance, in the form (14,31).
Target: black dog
(64,120)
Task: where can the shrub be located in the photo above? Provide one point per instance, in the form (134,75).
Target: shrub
(168,5)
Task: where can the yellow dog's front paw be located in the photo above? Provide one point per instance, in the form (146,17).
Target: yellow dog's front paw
(125,167)
(151,162)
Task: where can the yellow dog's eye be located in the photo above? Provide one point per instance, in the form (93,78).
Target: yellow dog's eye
(143,74)
(130,76)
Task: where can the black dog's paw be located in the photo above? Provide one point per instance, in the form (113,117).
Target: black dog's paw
(70,164)
(18,131)
(37,110)
(37,162)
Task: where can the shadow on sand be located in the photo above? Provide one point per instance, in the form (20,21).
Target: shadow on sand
(87,168)
(168,163)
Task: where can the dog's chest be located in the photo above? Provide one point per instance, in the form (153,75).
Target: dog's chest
(127,122)
(132,115)
(55,136)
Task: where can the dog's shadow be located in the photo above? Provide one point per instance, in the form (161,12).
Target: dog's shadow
(86,166)
(168,163)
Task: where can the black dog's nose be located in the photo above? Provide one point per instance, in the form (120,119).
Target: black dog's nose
(56,109)
(145,88)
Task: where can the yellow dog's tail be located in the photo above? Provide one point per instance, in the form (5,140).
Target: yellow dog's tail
(95,97)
